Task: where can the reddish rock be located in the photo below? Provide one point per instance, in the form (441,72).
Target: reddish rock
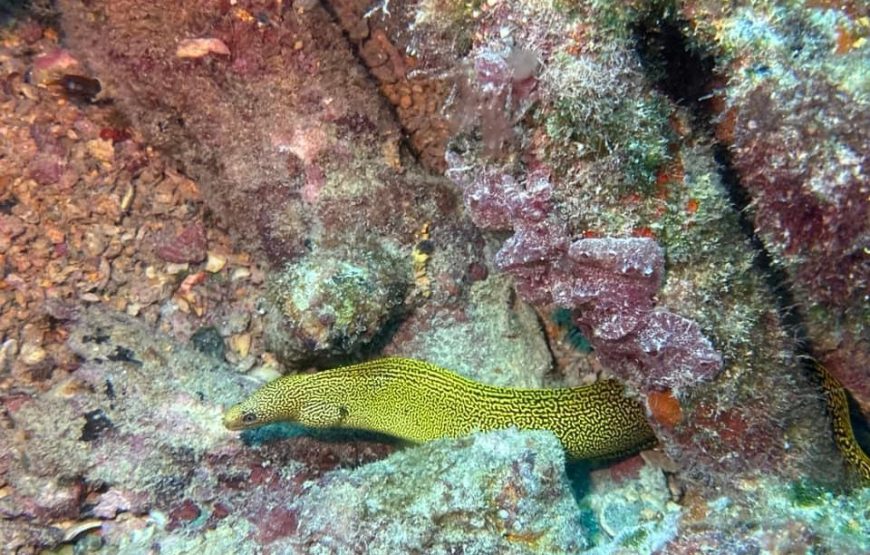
(276,523)
(220,511)
(53,65)
(187,246)
(183,513)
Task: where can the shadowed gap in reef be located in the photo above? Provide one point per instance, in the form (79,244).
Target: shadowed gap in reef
(687,75)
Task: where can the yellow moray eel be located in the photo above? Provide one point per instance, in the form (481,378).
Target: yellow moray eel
(838,406)
(417,401)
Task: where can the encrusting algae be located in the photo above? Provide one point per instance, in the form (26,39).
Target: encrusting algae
(418,401)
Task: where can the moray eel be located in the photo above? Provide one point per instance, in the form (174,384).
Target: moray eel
(844,436)
(417,401)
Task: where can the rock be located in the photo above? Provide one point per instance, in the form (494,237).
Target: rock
(326,305)
(53,65)
(208,340)
(186,246)
(488,493)
(197,48)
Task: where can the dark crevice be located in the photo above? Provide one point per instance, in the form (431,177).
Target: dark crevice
(776,278)
(42,11)
(687,75)
(684,74)
(355,45)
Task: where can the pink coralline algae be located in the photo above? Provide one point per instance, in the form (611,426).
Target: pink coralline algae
(497,201)
(609,282)
(53,65)
(615,278)
(666,350)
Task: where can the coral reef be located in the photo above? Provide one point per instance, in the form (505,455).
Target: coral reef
(570,98)
(301,192)
(595,227)
(533,193)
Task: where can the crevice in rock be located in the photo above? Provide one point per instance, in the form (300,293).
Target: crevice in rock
(43,11)
(354,46)
(687,75)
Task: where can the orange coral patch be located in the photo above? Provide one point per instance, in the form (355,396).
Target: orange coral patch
(727,124)
(665,408)
(643,232)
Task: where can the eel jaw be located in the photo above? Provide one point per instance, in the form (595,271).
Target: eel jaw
(233,418)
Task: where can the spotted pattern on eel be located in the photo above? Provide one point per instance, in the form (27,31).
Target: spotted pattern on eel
(856,459)
(418,401)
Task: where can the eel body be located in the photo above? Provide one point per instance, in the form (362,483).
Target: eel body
(418,401)
(844,436)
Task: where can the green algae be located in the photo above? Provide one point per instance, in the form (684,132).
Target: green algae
(636,539)
(574,335)
(805,493)
(595,114)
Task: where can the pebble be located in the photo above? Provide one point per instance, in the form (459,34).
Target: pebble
(7,352)
(240,273)
(174,268)
(188,245)
(80,528)
(32,354)
(215,262)
(197,48)
(241,344)
(265,373)
(101,149)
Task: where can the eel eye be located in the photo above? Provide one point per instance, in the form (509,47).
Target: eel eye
(249,418)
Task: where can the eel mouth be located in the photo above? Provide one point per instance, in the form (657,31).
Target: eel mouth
(234,419)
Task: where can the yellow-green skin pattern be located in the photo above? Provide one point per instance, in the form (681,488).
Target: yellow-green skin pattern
(417,401)
(844,436)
